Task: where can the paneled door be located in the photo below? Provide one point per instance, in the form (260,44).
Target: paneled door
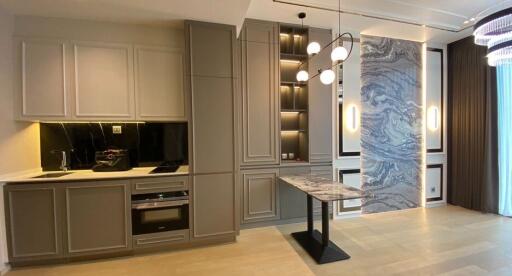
(98,217)
(260,195)
(259,60)
(103,81)
(41,79)
(159,84)
(33,220)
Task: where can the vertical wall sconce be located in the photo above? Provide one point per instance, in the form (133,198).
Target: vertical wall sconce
(352,121)
(433,118)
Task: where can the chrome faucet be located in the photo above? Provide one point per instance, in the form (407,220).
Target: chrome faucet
(64,162)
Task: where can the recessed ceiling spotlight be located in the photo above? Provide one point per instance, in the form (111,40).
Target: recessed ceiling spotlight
(472,19)
(466,22)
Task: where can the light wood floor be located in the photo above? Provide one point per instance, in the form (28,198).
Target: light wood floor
(439,241)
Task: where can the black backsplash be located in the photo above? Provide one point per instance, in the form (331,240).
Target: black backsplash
(149,144)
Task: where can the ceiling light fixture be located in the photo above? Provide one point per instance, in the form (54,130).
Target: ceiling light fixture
(338,55)
(495,32)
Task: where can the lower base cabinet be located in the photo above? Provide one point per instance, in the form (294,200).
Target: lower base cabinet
(293,201)
(98,217)
(65,220)
(214,201)
(33,220)
(260,195)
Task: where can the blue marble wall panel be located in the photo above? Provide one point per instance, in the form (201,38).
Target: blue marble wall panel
(391,123)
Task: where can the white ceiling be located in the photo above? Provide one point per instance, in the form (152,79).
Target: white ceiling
(447,14)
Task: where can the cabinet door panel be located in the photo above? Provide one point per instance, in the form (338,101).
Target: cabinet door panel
(293,201)
(260,108)
(260,31)
(211,49)
(213,205)
(33,221)
(213,124)
(103,83)
(260,195)
(98,217)
(320,103)
(159,83)
(42,72)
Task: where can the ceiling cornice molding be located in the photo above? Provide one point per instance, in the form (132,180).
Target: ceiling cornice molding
(383,17)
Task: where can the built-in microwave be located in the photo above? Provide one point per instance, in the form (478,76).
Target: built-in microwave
(160,212)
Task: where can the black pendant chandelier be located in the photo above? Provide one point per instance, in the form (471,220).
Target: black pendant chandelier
(495,32)
(338,55)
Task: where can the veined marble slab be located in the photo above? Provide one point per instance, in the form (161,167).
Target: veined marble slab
(322,188)
(391,123)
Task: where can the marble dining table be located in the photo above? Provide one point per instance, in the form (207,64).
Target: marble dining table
(317,244)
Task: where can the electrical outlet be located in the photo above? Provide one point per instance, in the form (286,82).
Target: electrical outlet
(117,130)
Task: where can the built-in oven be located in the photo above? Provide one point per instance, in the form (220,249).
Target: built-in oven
(160,212)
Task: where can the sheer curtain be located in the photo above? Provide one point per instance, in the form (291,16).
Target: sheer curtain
(504,74)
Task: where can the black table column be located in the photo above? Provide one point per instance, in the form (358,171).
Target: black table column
(325,224)
(310,215)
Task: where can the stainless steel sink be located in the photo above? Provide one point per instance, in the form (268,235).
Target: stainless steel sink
(52,175)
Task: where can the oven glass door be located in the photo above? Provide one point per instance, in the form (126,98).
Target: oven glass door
(159,219)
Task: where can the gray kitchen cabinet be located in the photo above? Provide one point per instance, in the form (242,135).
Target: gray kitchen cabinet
(211,49)
(260,195)
(159,84)
(292,201)
(103,81)
(98,217)
(259,63)
(260,31)
(41,79)
(320,103)
(210,67)
(33,220)
(214,206)
(213,124)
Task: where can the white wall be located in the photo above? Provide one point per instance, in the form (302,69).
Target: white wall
(19,142)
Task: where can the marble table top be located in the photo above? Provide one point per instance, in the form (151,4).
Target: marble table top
(322,188)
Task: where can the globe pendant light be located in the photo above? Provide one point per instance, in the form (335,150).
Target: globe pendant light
(313,48)
(327,76)
(339,53)
(495,32)
(302,75)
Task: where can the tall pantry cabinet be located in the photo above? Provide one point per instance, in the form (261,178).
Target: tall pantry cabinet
(211,78)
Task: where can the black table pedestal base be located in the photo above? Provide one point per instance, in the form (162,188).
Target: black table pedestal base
(313,245)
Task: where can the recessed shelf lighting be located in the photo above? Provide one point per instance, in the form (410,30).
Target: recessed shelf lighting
(290,61)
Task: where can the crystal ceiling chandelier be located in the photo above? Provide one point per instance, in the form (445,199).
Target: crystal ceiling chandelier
(338,55)
(495,32)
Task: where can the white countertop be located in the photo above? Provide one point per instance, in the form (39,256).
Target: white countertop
(78,175)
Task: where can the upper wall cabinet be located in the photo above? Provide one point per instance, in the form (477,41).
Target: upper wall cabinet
(82,81)
(159,83)
(211,50)
(259,55)
(41,81)
(320,103)
(103,80)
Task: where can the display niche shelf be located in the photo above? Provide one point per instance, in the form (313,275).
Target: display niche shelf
(293,95)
